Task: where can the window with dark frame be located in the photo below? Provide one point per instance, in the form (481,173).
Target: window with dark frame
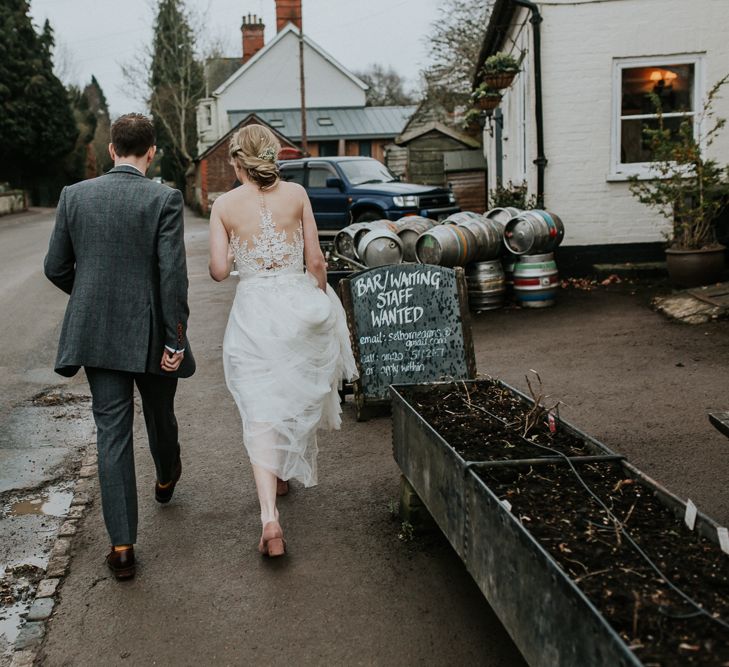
(673,85)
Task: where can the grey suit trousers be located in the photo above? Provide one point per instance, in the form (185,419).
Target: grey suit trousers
(113,407)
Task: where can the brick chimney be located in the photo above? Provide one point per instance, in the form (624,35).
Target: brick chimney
(288,11)
(252,35)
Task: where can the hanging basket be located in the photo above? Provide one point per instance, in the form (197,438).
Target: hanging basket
(499,80)
(488,103)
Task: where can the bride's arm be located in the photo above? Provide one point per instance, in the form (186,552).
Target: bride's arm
(315,262)
(220,256)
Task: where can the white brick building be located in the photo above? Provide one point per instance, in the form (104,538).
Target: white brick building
(598,61)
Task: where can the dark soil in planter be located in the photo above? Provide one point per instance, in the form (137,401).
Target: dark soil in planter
(459,413)
(660,627)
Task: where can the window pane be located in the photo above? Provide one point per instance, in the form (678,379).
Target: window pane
(634,146)
(293,175)
(674,85)
(365,148)
(366,171)
(328,148)
(318,176)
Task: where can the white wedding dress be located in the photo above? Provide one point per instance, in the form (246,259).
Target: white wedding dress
(285,351)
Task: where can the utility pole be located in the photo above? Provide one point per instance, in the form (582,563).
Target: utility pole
(302,86)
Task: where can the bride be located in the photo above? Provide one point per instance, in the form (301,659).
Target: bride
(286,346)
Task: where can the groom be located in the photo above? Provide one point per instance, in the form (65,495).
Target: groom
(118,249)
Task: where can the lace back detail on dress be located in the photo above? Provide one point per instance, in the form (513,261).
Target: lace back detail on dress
(270,250)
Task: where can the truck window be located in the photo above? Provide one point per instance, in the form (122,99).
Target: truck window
(293,174)
(318,174)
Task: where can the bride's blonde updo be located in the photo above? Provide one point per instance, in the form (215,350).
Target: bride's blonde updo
(254,149)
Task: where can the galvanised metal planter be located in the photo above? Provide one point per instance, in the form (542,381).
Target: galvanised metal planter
(548,616)
(435,470)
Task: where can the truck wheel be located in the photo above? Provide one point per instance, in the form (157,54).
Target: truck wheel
(368,215)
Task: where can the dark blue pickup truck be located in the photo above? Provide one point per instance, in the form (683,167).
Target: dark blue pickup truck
(355,189)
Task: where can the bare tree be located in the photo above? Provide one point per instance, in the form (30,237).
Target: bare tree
(65,65)
(169,79)
(455,42)
(386,86)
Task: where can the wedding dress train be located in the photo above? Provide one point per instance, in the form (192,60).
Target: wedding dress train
(286,349)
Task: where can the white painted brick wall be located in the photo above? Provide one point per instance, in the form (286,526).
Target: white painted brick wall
(579,43)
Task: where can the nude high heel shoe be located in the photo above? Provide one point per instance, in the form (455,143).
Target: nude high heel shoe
(272,543)
(282,487)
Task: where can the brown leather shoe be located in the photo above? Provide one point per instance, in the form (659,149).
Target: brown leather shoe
(282,487)
(122,563)
(163,494)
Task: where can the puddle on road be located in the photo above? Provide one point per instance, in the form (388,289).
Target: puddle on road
(17,589)
(53,501)
(33,520)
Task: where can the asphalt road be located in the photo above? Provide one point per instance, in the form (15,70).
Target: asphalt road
(349,591)
(31,308)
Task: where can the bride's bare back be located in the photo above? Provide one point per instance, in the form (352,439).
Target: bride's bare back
(240,210)
(237,216)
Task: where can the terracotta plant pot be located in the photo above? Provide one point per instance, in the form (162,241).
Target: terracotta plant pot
(489,102)
(691,268)
(499,80)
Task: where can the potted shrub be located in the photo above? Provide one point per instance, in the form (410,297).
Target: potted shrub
(499,70)
(689,190)
(485,97)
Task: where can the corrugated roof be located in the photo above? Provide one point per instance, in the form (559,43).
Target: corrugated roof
(334,123)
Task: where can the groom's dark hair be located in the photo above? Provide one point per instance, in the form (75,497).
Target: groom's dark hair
(132,134)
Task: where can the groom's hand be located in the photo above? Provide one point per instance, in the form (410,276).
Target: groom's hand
(171,360)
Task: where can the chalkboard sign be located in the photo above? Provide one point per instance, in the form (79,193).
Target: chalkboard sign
(409,323)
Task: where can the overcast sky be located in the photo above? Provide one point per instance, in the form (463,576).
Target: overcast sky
(97,36)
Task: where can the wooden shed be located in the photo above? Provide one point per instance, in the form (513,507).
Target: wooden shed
(466,173)
(439,155)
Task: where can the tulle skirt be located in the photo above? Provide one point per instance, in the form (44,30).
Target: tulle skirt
(285,352)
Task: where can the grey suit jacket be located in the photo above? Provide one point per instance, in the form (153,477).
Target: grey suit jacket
(118,249)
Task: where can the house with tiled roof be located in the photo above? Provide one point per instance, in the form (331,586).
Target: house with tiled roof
(266,83)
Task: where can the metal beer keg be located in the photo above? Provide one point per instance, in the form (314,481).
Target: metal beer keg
(370,226)
(344,241)
(536,281)
(486,285)
(533,232)
(380,247)
(412,227)
(489,237)
(503,215)
(446,245)
(461,217)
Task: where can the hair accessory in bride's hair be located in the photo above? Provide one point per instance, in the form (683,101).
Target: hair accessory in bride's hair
(268,154)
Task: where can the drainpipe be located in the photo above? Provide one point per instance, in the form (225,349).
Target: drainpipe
(499,141)
(541,160)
